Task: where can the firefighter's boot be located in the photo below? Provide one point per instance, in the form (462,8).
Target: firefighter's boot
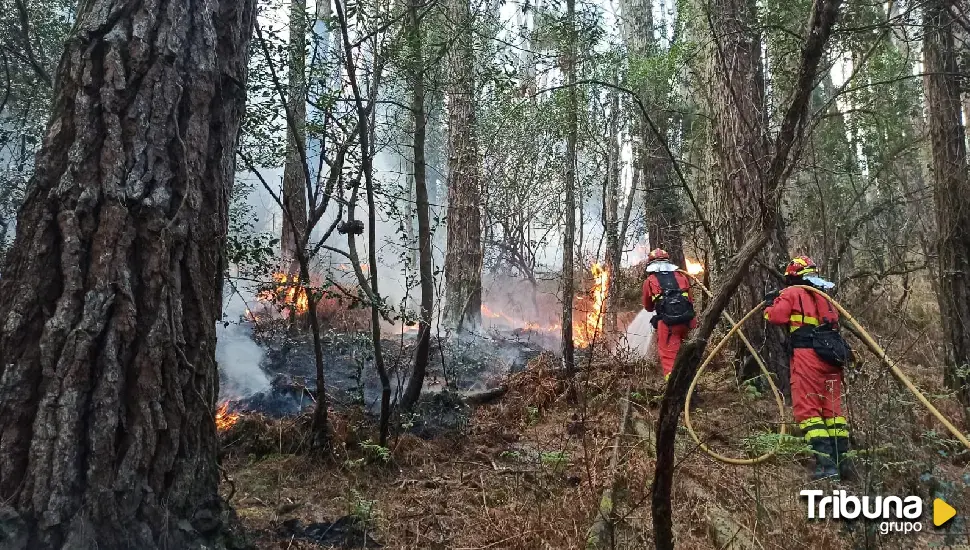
(846,465)
(825,467)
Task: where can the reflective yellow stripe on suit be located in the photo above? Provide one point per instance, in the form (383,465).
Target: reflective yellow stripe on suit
(813,427)
(803,319)
(837,427)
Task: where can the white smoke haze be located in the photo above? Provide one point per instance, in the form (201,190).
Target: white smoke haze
(639,335)
(237,354)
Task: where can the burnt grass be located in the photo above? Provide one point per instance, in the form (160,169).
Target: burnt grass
(528,470)
(458,366)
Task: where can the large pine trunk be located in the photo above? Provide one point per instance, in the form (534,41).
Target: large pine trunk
(112,288)
(742,149)
(463,261)
(295,171)
(951,189)
(662,199)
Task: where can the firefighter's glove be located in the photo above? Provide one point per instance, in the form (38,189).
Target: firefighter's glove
(770,297)
(655,320)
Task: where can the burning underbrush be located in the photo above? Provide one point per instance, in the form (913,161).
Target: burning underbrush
(460,364)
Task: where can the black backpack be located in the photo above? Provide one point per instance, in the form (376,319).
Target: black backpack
(673,306)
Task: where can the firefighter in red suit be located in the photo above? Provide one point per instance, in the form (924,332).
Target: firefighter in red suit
(666,291)
(816,385)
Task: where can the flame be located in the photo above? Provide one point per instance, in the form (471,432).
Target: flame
(694,268)
(584,331)
(287,292)
(348,267)
(224,418)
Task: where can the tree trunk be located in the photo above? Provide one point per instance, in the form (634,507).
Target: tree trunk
(742,147)
(662,202)
(463,262)
(569,208)
(611,209)
(112,288)
(422,351)
(951,188)
(295,171)
(364,112)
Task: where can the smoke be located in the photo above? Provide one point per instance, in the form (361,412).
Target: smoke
(639,335)
(237,355)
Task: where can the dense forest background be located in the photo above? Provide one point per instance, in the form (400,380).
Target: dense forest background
(385,207)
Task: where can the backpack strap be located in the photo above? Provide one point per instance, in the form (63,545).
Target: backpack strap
(667,280)
(668,283)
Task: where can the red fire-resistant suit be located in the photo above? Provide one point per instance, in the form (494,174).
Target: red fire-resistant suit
(669,339)
(816,386)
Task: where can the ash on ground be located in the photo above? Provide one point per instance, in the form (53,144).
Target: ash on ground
(458,366)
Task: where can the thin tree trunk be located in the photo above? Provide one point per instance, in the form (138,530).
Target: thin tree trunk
(569,208)
(113,286)
(422,351)
(463,262)
(951,189)
(364,113)
(611,209)
(294,171)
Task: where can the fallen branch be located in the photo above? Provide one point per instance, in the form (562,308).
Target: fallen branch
(485,396)
(600,534)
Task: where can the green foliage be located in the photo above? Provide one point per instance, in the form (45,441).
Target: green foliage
(534,415)
(375,452)
(787,446)
(554,459)
(510,455)
(362,509)
(25,96)
(253,252)
(750,389)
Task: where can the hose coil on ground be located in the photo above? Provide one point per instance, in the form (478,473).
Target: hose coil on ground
(867,339)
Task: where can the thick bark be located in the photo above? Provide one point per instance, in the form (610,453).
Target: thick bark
(742,147)
(569,208)
(425,267)
(951,188)
(294,171)
(463,262)
(823,17)
(663,211)
(112,289)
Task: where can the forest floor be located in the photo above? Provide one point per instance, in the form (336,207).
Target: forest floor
(528,471)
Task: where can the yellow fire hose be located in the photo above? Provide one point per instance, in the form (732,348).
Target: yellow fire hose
(866,338)
(735,328)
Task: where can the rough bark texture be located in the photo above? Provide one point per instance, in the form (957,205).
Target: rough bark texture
(112,289)
(423,349)
(822,20)
(569,208)
(463,262)
(742,147)
(951,189)
(295,171)
(652,170)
